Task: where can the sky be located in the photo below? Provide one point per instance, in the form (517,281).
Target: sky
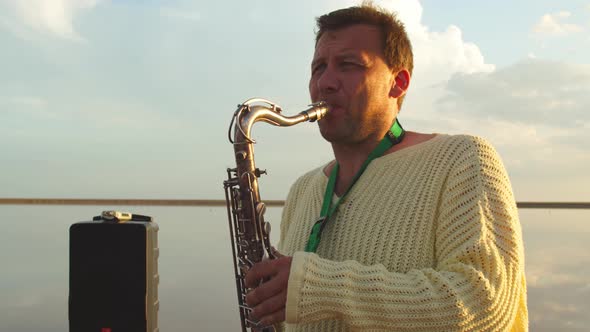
(133,99)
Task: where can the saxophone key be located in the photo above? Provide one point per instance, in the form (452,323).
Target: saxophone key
(241,155)
(266,228)
(245,307)
(258,172)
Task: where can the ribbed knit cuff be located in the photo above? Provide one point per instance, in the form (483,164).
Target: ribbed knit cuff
(295,284)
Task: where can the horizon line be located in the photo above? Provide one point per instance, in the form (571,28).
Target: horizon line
(221,202)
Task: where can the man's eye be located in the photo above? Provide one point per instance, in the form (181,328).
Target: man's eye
(349,64)
(318,68)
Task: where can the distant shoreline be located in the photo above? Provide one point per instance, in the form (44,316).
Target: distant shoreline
(219,202)
(123,201)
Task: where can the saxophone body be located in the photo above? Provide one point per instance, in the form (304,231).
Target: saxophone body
(249,232)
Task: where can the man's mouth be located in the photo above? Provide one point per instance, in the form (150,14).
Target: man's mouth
(334,108)
(332,105)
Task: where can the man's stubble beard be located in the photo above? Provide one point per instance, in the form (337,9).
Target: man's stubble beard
(351,130)
(345,130)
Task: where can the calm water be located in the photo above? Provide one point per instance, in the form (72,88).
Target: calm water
(196,285)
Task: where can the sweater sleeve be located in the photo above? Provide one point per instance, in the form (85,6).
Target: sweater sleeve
(287,212)
(477,283)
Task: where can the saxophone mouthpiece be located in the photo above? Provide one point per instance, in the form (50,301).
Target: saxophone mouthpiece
(317,111)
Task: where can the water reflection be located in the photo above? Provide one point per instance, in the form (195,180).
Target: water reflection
(197,287)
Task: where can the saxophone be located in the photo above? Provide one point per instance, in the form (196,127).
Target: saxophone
(249,232)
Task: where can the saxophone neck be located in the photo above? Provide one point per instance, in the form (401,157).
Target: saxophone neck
(254,110)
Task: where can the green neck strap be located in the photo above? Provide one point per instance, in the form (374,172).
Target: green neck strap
(393,137)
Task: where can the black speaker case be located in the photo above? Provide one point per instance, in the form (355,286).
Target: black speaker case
(102,296)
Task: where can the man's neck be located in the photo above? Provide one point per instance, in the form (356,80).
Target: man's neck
(350,158)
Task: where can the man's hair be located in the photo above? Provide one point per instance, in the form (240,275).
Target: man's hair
(397,48)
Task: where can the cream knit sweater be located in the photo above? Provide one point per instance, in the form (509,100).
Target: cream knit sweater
(428,239)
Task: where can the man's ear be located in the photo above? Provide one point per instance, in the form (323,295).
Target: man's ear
(400,84)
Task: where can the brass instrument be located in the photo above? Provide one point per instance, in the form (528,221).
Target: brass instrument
(249,232)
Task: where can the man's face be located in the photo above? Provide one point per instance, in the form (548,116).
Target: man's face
(349,72)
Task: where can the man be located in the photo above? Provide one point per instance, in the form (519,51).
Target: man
(402,231)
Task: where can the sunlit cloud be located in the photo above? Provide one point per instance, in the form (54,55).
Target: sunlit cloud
(53,17)
(555,25)
(438,55)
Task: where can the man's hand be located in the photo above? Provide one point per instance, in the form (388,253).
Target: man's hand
(268,300)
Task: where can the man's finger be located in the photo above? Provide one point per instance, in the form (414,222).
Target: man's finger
(270,307)
(259,271)
(265,291)
(274,318)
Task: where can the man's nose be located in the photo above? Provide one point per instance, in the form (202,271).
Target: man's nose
(329,81)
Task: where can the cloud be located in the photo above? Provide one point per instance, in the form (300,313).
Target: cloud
(534,110)
(440,54)
(532,91)
(437,54)
(54,17)
(554,25)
